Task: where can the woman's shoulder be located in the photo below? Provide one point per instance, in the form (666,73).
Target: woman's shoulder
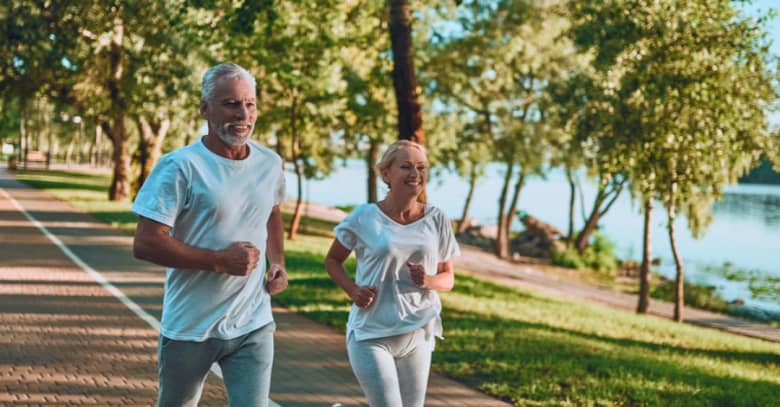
(433,210)
(436,214)
(361,211)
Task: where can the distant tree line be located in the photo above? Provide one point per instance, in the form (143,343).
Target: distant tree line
(765,173)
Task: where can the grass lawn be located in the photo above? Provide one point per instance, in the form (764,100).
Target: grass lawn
(529,348)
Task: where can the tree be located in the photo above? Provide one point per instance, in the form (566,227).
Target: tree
(368,121)
(499,68)
(410,121)
(295,49)
(102,50)
(693,92)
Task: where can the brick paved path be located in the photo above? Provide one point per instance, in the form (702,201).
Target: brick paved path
(66,340)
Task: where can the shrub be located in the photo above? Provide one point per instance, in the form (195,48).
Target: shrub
(697,296)
(568,257)
(599,255)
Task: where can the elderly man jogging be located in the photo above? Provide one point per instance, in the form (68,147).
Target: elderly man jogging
(209,212)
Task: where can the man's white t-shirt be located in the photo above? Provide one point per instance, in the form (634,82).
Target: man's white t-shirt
(382,247)
(210,202)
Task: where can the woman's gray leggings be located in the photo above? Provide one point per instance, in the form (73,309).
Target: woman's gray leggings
(393,371)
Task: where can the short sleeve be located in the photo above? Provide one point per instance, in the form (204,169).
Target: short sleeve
(346,231)
(163,194)
(280,190)
(448,246)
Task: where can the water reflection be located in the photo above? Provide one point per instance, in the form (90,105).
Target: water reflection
(764,207)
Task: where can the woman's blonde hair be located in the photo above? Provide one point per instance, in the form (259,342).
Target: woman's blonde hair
(389,156)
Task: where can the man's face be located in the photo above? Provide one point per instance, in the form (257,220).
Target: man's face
(232,111)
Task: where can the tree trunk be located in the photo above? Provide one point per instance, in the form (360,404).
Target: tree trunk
(371,160)
(22,136)
(149,146)
(404,81)
(581,243)
(38,120)
(644,271)
(464,218)
(120,185)
(93,147)
(141,157)
(296,219)
(502,240)
(605,197)
(69,153)
(98,145)
(510,214)
(679,295)
(572,202)
(49,143)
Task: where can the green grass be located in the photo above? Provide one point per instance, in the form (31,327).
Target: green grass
(86,191)
(536,350)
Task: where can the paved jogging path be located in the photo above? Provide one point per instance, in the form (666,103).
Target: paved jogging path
(80,329)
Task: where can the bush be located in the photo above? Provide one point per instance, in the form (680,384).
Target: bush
(599,256)
(568,257)
(697,296)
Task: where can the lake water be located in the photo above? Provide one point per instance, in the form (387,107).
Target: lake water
(745,231)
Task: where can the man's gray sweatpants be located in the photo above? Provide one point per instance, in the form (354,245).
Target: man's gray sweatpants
(245,362)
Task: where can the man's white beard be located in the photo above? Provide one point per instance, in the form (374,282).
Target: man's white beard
(228,138)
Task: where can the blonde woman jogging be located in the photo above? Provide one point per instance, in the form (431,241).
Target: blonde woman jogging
(404,251)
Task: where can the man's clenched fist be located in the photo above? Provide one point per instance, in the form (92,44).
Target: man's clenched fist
(238,259)
(276,280)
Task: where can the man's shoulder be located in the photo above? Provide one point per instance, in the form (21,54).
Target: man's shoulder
(264,152)
(182,153)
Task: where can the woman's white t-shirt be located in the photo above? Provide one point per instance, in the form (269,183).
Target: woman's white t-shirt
(382,247)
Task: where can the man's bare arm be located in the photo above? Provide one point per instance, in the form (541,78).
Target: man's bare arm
(276,280)
(275,246)
(154,243)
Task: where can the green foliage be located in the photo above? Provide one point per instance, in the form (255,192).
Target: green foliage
(599,256)
(568,257)
(698,296)
(86,191)
(707,297)
(681,92)
(312,226)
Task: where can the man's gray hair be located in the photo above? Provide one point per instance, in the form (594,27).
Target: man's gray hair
(227,70)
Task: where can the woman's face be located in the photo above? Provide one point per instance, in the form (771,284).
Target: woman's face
(408,172)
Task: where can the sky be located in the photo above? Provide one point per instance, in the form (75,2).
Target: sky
(758,8)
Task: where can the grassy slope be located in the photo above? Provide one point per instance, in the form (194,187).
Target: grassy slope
(526,347)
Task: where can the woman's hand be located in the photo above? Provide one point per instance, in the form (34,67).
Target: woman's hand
(419,277)
(363,296)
